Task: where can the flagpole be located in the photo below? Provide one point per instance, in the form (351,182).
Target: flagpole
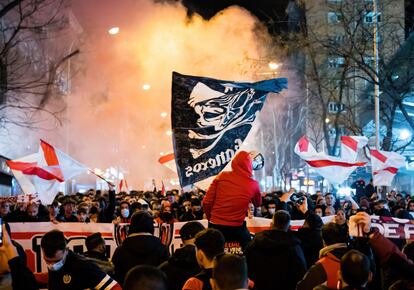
(101,177)
(376,77)
(376,83)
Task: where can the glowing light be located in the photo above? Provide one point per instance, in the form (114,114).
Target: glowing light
(169,133)
(164,114)
(143,147)
(345,191)
(405,134)
(327,120)
(274,65)
(161,153)
(114,30)
(97,171)
(146,87)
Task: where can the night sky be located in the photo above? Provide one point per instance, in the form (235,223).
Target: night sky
(270,12)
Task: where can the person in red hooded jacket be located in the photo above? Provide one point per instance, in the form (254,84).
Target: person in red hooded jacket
(227,200)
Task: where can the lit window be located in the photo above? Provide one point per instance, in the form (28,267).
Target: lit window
(337,38)
(336,61)
(334,17)
(369,17)
(334,107)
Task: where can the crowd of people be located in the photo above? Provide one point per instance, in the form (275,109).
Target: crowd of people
(317,256)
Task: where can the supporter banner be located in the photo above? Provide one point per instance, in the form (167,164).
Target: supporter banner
(20,198)
(394,228)
(30,234)
(210,120)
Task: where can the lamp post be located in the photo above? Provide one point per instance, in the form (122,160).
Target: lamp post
(69,90)
(376,77)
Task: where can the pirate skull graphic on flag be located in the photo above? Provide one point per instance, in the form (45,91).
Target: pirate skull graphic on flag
(210,120)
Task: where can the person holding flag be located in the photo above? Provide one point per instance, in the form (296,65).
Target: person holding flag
(227,200)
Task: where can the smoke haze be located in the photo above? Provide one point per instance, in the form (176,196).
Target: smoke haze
(111,120)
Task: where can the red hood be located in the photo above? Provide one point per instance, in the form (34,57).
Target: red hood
(242,164)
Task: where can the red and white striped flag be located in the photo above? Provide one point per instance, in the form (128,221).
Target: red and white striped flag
(163,192)
(123,183)
(42,172)
(335,169)
(168,160)
(385,166)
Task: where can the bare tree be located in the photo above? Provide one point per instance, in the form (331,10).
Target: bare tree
(30,66)
(282,119)
(340,73)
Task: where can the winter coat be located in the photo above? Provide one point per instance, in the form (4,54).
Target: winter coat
(395,265)
(312,243)
(317,275)
(138,250)
(107,214)
(228,197)
(101,261)
(181,266)
(275,260)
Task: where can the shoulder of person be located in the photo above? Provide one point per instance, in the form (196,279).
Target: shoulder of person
(321,287)
(193,284)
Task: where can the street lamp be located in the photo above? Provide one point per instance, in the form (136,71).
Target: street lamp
(405,134)
(113,30)
(274,65)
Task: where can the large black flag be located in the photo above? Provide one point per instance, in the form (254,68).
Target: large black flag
(210,120)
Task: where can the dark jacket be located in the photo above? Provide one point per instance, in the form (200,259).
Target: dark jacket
(101,261)
(394,263)
(181,266)
(312,243)
(138,250)
(71,219)
(275,260)
(107,214)
(22,277)
(78,273)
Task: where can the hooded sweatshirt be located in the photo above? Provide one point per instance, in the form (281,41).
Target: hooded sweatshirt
(228,197)
(139,249)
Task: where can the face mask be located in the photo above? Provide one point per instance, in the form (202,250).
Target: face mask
(125,212)
(272,211)
(58,265)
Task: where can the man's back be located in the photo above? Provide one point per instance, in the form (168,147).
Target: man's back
(180,267)
(78,273)
(275,260)
(229,195)
(138,250)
